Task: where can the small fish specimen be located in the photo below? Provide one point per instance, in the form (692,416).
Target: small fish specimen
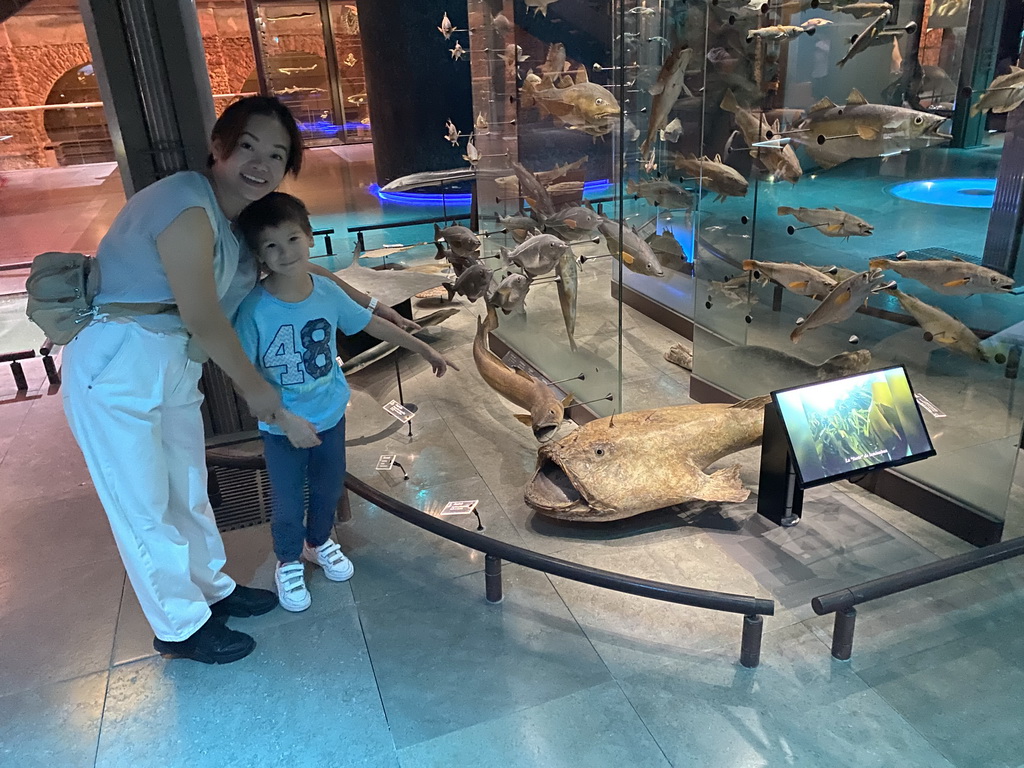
(681,356)
(577,103)
(472,283)
(660,192)
(460,239)
(949,277)
(668,250)
(633,462)
(834,134)
(472,155)
(842,302)
(636,254)
(831,222)
(666,90)
(545,410)
(458,51)
(568,288)
(534,190)
(350,60)
(554,63)
(714,175)
(446,27)
(481,123)
(452,134)
(513,57)
(815,23)
(510,294)
(519,227)
(942,328)
(777,32)
(1005,94)
(573,223)
(798,278)
(862,41)
(864,10)
(537,255)
(502,25)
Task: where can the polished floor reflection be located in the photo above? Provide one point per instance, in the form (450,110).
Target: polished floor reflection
(407,665)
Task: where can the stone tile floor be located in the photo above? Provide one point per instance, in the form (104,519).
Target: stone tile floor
(408,665)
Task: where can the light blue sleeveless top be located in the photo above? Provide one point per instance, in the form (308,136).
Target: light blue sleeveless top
(130,266)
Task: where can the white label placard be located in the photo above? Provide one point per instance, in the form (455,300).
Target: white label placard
(929,406)
(386,462)
(459,507)
(399,411)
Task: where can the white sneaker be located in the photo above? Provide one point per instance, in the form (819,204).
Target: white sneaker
(329,556)
(291,586)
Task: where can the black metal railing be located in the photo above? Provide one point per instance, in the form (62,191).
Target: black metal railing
(842,602)
(752,608)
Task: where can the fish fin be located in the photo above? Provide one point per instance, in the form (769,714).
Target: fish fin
(944,338)
(834,228)
(627,257)
(451,290)
(843,298)
(856,97)
(723,485)
(567,401)
(570,223)
(523,418)
(796,334)
(799,285)
(868,133)
(823,104)
(718,159)
(1014,68)
(749,265)
(785,210)
(752,403)
(729,103)
(879,264)
(957,283)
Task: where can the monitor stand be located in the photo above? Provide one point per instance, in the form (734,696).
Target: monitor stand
(779,496)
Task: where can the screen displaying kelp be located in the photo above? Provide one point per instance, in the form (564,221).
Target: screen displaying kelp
(841,427)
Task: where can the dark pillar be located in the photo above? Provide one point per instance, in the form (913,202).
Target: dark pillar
(413,85)
(154,83)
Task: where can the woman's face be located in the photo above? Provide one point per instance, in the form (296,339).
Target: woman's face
(258,162)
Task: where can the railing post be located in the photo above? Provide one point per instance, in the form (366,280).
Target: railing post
(750,645)
(492,578)
(842,634)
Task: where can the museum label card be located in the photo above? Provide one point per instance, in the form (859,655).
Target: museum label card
(386,462)
(459,507)
(399,411)
(929,406)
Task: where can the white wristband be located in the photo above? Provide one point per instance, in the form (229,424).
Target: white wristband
(372,305)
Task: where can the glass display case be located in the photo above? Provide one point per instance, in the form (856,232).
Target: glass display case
(777,181)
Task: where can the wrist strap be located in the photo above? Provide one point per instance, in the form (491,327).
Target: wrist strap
(373,304)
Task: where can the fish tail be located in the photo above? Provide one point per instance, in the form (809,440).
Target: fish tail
(785,210)
(879,263)
(491,322)
(729,103)
(753,403)
(505,256)
(796,334)
(976,109)
(451,290)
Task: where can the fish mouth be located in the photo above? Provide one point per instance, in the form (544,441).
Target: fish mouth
(552,493)
(545,432)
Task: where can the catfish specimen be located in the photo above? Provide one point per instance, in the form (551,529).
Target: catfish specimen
(519,387)
(634,462)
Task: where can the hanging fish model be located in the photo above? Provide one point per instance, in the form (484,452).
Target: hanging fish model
(831,222)
(862,41)
(949,277)
(1005,94)
(666,90)
(842,302)
(860,129)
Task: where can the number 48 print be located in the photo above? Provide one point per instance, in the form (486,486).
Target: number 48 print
(314,359)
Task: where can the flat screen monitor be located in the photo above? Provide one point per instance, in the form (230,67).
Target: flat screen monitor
(847,426)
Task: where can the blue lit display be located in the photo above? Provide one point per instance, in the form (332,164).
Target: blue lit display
(960,193)
(456,198)
(327,128)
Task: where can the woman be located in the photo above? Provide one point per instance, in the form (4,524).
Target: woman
(173,264)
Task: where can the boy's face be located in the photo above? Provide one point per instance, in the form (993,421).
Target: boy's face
(284,249)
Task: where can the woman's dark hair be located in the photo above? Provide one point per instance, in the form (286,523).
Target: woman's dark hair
(272,210)
(231,124)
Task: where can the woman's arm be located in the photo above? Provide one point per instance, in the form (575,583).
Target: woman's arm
(389,332)
(186,251)
(360,298)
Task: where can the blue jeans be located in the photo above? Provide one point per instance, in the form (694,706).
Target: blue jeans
(290,470)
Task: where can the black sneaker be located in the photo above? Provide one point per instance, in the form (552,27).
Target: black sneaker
(212,643)
(244,602)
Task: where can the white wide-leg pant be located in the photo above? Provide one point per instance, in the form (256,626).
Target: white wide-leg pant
(132,399)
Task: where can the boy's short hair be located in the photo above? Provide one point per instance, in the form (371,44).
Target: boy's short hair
(272,210)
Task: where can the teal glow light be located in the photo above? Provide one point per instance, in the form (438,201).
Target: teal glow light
(958,193)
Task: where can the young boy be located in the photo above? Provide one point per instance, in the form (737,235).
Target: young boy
(287,327)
